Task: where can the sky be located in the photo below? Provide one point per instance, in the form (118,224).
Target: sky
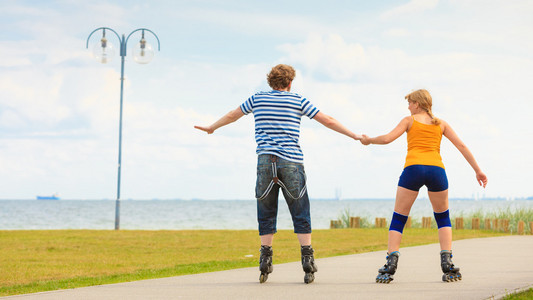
(355,61)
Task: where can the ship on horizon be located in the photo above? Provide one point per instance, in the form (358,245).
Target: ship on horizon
(53,197)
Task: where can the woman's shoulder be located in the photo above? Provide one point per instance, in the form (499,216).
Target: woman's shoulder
(443,125)
(407,120)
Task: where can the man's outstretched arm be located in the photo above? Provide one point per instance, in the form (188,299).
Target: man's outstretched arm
(333,124)
(228,118)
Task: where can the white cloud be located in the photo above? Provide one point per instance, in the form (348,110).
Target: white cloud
(330,55)
(397,32)
(412,7)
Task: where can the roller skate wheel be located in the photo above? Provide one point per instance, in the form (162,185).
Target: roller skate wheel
(384,278)
(263,278)
(309,277)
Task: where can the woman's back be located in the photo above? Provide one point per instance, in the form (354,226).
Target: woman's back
(423,143)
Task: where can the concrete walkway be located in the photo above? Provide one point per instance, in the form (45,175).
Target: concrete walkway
(491,268)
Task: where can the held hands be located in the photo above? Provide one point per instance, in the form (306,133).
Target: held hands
(365,140)
(357,137)
(207,129)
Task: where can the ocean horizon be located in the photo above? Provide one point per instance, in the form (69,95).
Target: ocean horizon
(170,214)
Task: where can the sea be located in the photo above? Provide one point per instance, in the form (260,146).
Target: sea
(209,214)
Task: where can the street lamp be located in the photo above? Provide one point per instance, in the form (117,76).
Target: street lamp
(143,54)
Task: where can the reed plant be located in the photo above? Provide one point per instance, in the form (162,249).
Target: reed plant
(514,215)
(344,218)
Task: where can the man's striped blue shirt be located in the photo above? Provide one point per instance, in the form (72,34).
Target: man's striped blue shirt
(277,122)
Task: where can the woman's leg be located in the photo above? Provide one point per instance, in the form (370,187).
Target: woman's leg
(404,201)
(439,201)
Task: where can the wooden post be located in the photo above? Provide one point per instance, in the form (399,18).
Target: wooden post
(496,224)
(355,222)
(408,223)
(530,227)
(381,222)
(505,225)
(426,222)
(335,224)
(521,225)
(475,223)
(459,224)
(487,224)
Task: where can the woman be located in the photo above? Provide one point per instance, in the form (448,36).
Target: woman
(423,166)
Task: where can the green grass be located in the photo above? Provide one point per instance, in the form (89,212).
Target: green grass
(43,260)
(525,295)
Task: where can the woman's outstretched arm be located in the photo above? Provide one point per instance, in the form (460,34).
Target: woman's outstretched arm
(389,137)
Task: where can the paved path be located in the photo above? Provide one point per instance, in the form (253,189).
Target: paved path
(491,267)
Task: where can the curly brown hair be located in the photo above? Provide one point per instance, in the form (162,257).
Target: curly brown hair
(281,76)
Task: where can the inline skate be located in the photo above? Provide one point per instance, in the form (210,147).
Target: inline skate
(451,273)
(265,263)
(387,271)
(308,263)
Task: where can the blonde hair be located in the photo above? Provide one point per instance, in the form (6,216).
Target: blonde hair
(281,76)
(423,98)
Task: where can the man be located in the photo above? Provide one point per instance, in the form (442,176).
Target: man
(277,116)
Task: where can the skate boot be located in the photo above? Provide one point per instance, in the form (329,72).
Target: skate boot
(386,272)
(265,263)
(451,273)
(308,263)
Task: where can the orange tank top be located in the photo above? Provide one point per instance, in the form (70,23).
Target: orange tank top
(423,145)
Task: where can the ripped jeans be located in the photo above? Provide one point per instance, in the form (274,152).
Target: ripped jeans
(292,177)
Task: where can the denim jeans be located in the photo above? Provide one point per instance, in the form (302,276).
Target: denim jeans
(293,176)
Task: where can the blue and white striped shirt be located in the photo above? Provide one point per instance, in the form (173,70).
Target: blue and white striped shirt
(277,122)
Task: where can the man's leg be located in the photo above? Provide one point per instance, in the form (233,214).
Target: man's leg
(304,239)
(301,217)
(267,210)
(266,239)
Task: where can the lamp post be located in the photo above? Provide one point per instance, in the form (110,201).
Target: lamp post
(143,54)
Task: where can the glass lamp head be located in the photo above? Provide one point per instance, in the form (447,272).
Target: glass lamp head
(104,51)
(143,52)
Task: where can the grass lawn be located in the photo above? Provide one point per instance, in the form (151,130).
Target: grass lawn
(524,295)
(43,260)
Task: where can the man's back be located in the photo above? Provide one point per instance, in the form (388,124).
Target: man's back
(277,122)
